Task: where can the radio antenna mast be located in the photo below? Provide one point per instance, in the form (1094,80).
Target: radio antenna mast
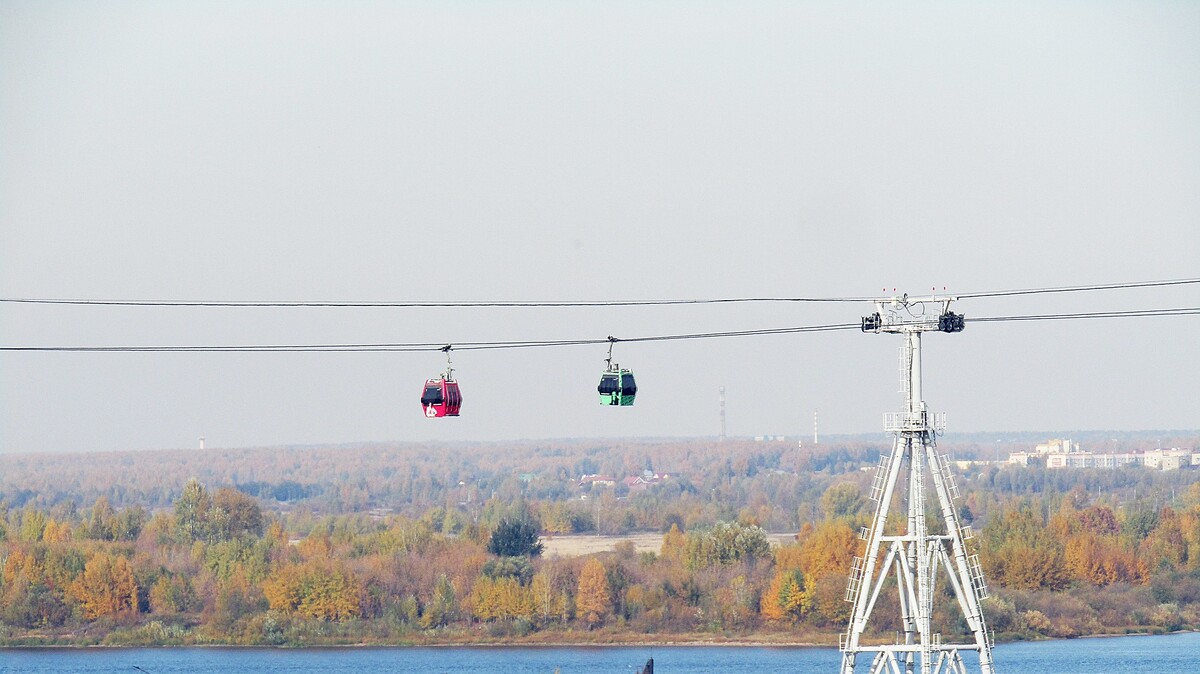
(915,556)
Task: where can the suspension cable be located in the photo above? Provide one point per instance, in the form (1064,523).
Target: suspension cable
(422,304)
(1076,289)
(528,344)
(429,346)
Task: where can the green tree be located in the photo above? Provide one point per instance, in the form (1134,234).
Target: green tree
(240,515)
(32,604)
(549,603)
(842,501)
(726,543)
(172,594)
(127,525)
(517,568)
(191,512)
(514,538)
(443,607)
(33,524)
(101,525)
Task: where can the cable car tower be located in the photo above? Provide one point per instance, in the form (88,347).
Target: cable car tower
(907,550)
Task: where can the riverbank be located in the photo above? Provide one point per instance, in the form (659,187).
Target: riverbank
(173,636)
(176,637)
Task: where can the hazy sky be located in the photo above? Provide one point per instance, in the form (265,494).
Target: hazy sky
(589,150)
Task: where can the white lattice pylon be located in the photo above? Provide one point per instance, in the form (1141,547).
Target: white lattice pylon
(914,557)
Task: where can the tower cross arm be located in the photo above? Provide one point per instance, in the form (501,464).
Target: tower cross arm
(904,314)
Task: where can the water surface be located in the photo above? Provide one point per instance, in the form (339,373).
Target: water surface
(1178,653)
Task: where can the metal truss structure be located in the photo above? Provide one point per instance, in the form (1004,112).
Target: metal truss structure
(914,557)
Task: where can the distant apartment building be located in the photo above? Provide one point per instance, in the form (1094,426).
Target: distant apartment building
(1090,460)
(1043,451)
(1066,454)
(1172,459)
(1057,447)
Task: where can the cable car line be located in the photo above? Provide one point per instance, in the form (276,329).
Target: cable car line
(1073,289)
(441,397)
(426,346)
(420,304)
(1133,313)
(402,347)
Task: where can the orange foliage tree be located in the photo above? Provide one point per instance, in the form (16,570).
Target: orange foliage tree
(106,586)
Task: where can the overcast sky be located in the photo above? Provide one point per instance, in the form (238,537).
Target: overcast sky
(589,151)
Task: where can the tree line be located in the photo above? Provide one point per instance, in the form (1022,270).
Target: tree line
(775,485)
(216,567)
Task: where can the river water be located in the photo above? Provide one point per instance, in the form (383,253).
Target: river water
(1171,654)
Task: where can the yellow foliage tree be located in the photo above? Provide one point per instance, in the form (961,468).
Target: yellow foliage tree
(674,545)
(501,599)
(789,557)
(1064,523)
(591,598)
(1165,547)
(1189,529)
(482,600)
(56,533)
(1019,551)
(314,589)
(105,587)
(557,518)
(829,549)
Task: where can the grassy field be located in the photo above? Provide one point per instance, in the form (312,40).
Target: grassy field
(577,546)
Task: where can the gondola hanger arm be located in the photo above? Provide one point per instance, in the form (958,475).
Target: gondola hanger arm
(611,340)
(449,368)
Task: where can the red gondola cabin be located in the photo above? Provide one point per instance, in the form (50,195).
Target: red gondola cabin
(441,398)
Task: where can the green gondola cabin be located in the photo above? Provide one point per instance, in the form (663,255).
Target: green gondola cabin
(617,387)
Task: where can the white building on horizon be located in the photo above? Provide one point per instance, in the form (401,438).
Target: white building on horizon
(1067,454)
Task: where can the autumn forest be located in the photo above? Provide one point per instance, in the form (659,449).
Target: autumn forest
(408,544)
